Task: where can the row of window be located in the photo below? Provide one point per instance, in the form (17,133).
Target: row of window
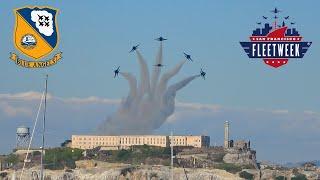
(95,139)
(142,140)
(97,143)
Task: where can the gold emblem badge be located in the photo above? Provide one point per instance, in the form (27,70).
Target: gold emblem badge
(36,36)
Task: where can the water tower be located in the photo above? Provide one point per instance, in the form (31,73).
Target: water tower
(23,137)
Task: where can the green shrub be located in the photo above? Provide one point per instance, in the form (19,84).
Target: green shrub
(123,155)
(219,157)
(139,154)
(127,170)
(299,177)
(248,166)
(280,178)
(58,158)
(232,168)
(246,175)
(36,153)
(12,159)
(153,175)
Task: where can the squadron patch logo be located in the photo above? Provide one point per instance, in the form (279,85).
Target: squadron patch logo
(36,36)
(276,43)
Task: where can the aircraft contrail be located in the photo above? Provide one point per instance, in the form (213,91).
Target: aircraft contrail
(132,83)
(156,72)
(144,75)
(146,107)
(167,76)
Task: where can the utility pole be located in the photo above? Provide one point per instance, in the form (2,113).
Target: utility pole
(43,128)
(171,144)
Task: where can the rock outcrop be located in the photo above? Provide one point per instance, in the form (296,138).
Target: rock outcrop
(240,157)
(131,172)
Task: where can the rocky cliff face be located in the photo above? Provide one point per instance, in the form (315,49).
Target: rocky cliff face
(240,157)
(131,173)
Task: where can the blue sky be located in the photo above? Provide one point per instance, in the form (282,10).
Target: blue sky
(97,35)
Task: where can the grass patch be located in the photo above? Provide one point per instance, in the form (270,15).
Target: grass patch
(232,168)
(140,154)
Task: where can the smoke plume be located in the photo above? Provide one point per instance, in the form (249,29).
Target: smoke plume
(149,103)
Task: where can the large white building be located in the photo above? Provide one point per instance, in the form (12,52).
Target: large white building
(126,141)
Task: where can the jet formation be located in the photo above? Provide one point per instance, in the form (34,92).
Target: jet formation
(187,56)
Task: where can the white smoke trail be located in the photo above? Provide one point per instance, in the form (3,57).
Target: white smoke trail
(167,76)
(144,76)
(132,83)
(140,112)
(156,71)
(133,90)
(177,86)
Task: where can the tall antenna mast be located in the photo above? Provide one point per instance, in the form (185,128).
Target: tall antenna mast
(43,128)
(171,143)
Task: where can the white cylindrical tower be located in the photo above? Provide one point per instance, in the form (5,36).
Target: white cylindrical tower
(226,134)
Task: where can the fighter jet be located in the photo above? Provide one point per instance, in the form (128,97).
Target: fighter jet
(287,17)
(188,56)
(158,65)
(134,48)
(116,72)
(40,17)
(202,74)
(161,39)
(265,17)
(275,11)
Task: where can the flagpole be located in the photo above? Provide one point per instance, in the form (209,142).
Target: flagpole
(43,128)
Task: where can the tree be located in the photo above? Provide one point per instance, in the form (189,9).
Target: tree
(65,143)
